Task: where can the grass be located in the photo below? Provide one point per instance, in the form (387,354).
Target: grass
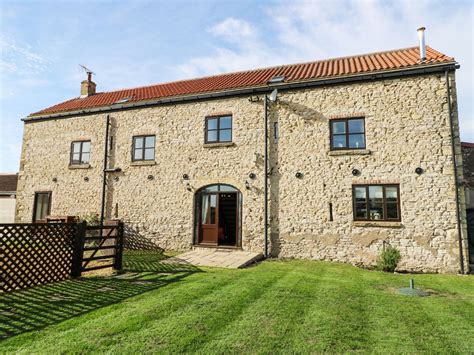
(273,307)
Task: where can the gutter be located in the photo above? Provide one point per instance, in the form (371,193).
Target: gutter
(456,178)
(429,69)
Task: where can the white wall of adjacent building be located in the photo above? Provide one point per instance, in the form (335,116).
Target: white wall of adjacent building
(7,209)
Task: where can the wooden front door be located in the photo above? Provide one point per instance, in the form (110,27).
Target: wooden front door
(209,219)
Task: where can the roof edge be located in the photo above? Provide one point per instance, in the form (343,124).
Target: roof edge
(418,70)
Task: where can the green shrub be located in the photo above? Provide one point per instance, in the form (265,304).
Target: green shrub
(388,259)
(92,219)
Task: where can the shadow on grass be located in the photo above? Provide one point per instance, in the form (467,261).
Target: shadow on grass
(35,308)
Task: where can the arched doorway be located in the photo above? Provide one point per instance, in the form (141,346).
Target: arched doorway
(217,216)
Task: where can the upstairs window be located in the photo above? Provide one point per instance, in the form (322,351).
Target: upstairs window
(376,202)
(348,133)
(143,148)
(218,129)
(80,152)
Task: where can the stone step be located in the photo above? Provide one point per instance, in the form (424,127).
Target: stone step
(214,257)
(249,262)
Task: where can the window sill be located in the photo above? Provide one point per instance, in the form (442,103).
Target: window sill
(384,224)
(79,166)
(218,145)
(350,152)
(143,163)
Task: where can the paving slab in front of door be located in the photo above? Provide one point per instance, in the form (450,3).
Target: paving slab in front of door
(228,258)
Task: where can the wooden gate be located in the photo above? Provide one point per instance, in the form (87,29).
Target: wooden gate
(98,247)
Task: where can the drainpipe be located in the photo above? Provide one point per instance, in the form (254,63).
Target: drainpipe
(104,173)
(265,189)
(456,179)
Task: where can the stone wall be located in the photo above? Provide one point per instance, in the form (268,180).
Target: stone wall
(407,126)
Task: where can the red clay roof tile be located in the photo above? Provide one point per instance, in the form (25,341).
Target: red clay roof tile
(390,60)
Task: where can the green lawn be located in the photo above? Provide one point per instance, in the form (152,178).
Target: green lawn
(276,306)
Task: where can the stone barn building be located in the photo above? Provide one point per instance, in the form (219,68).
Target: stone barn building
(361,153)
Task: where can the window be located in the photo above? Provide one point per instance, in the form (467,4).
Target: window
(42,206)
(348,133)
(143,148)
(376,202)
(80,152)
(218,129)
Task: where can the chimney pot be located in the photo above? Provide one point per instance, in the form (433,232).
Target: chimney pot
(421,39)
(88,86)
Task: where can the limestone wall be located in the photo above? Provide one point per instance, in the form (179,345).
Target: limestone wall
(407,126)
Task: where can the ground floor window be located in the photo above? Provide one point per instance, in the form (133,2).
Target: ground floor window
(376,202)
(42,206)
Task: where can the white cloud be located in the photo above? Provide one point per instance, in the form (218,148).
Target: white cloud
(20,68)
(20,59)
(225,60)
(233,29)
(244,49)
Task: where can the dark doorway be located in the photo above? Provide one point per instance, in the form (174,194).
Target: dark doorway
(228,219)
(470,234)
(217,216)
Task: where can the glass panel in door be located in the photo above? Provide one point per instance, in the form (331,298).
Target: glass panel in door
(209,219)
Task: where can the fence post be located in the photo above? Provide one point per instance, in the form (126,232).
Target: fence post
(78,249)
(119,247)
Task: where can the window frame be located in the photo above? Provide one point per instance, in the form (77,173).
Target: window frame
(144,136)
(35,202)
(346,133)
(384,203)
(218,129)
(71,154)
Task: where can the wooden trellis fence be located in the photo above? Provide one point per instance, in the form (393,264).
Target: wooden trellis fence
(35,254)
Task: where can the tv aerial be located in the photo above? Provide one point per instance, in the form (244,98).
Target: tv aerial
(87,70)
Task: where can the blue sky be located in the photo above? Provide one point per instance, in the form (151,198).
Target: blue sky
(136,43)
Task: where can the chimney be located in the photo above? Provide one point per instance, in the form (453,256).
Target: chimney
(87,86)
(421,38)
